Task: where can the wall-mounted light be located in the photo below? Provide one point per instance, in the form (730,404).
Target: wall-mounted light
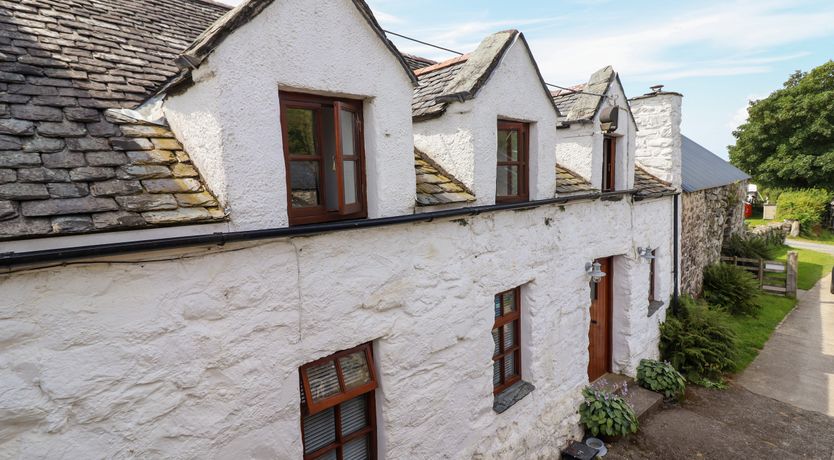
(594,270)
(646,253)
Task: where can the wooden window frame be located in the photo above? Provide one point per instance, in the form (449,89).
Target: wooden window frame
(515,349)
(609,164)
(320,213)
(522,163)
(652,276)
(309,408)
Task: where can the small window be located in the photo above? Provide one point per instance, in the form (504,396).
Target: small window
(324,154)
(511,182)
(652,275)
(506,333)
(338,417)
(609,163)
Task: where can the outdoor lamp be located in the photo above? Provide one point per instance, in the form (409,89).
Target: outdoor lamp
(594,270)
(645,253)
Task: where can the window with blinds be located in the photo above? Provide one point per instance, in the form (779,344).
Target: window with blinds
(337,406)
(506,333)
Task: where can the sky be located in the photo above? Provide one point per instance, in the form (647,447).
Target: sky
(718,54)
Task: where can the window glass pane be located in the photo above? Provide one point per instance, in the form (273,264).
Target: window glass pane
(509,302)
(347,126)
(354,414)
(323,380)
(497,305)
(507,145)
(356,449)
(350,182)
(496,373)
(301,133)
(509,366)
(506,181)
(329,455)
(355,369)
(496,338)
(304,181)
(509,335)
(319,430)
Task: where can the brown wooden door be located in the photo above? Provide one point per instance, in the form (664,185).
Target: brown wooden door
(599,334)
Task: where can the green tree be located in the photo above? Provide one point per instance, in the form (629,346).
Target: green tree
(788,140)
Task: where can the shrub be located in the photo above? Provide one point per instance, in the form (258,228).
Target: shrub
(698,343)
(661,377)
(604,412)
(731,288)
(749,246)
(808,206)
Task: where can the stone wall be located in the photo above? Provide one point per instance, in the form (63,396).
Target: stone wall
(774,231)
(707,218)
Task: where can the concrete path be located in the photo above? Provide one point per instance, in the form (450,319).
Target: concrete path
(797,363)
(819,247)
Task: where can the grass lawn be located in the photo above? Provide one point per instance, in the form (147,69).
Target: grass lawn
(813,265)
(753,223)
(753,332)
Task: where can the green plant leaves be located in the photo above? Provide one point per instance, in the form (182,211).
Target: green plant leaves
(606,413)
(660,377)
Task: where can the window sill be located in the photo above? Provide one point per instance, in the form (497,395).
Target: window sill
(654,306)
(515,393)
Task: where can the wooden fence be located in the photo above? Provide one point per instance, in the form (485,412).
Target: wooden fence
(775,277)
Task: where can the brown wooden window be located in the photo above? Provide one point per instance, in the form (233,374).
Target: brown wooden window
(652,275)
(609,163)
(511,182)
(324,154)
(506,333)
(338,414)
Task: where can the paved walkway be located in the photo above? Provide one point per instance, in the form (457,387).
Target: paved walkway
(819,247)
(797,363)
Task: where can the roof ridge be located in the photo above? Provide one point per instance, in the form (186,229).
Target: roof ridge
(442,65)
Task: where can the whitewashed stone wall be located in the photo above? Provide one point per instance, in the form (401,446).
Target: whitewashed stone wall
(229,121)
(658,117)
(463,139)
(198,356)
(579,147)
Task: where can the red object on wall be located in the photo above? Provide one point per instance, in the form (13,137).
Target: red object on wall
(748,210)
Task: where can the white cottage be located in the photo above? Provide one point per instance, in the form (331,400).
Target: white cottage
(303,244)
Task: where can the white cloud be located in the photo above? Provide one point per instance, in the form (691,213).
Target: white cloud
(740,115)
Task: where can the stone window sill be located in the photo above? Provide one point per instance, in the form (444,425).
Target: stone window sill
(654,306)
(515,393)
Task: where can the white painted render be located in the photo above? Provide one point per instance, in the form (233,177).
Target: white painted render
(463,142)
(659,139)
(198,357)
(579,147)
(229,122)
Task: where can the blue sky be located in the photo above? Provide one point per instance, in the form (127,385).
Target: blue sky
(719,54)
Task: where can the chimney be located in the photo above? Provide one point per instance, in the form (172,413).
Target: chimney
(658,116)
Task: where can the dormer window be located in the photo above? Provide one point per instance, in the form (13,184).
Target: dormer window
(511,182)
(609,163)
(324,157)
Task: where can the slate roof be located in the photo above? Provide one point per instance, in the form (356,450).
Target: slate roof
(67,166)
(417,62)
(649,186)
(436,186)
(568,182)
(565,99)
(702,169)
(432,81)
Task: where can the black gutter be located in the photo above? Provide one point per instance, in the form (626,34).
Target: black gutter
(220,238)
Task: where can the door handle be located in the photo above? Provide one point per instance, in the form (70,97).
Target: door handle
(593,321)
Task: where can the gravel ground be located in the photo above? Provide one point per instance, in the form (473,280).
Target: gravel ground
(726,424)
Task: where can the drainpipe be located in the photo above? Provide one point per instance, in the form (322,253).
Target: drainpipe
(676,262)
